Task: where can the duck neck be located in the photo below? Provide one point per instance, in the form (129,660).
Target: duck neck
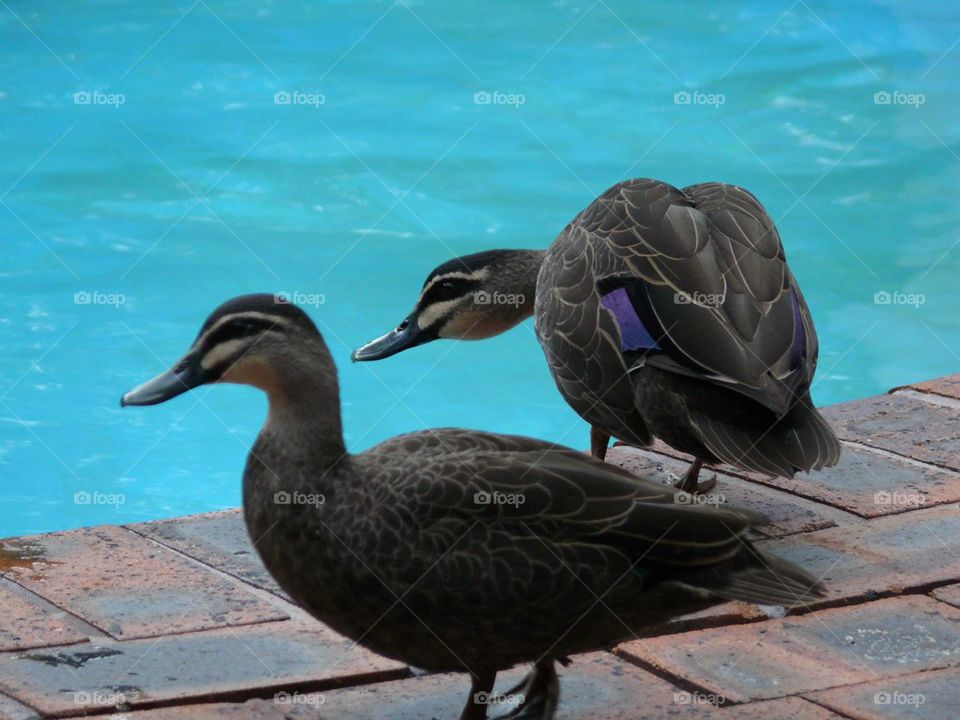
(518,276)
(304,423)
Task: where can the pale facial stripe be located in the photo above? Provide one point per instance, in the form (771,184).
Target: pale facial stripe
(276,319)
(224,351)
(434,312)
(478,275)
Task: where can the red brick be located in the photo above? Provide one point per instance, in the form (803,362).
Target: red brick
(129,587)
(788,514)
(189,668)
(842,646)
(250,710)
(28,625)
(10,709)
(885,555)
(904,425)
(791,708)
(219,539)
(948,594)
(933,695)
(598,686)
(948,386)
(871,484)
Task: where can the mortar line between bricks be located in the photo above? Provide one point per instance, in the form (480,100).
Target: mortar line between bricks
(691,686)
(933,398)
(849,514)
(860,445)
(94,634)
(677,681)
(271,598)
(827,707)
(925,589)
(891,455)
(240,695)
(18,705)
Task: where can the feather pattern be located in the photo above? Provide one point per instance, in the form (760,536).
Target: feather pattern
(673,313)
(499,548)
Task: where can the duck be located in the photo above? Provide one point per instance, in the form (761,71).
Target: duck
(663,313)
(455,550)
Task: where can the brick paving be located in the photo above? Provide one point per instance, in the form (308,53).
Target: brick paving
(178,620)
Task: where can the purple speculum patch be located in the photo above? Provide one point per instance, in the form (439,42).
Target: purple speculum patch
(633,335)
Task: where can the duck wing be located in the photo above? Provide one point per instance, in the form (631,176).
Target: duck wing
(498,497)
(709,293)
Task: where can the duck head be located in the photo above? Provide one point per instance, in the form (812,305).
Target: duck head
(252,340)
(472,297)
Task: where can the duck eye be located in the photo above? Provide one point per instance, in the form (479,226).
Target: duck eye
(446,285)
(403,326)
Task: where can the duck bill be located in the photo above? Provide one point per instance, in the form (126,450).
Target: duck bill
(403,337)
(185,376)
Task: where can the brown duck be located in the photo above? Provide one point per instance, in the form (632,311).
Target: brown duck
(662,313)
(457,550)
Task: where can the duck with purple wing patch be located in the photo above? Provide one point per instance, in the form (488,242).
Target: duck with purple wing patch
(457,550)
(662,313)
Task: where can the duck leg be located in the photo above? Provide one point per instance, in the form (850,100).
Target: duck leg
(689,482)
(480,688)
(599,441)
(540,691)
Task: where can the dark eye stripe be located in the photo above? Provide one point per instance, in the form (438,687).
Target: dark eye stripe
(240,328)
(457,288)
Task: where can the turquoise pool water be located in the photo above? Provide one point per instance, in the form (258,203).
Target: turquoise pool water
(148,173)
